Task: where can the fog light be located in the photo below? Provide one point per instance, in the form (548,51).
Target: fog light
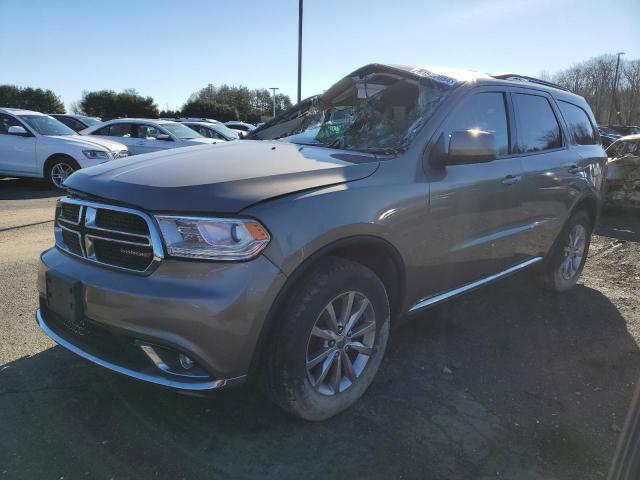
(185,362)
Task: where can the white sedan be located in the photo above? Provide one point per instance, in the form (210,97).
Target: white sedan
(37,145)
(217,130)
(142,135)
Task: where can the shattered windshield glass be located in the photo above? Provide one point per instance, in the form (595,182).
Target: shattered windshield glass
(372,111)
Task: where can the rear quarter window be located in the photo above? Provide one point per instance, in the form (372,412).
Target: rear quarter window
(579,124)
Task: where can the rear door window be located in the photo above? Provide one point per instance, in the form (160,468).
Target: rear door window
(538,128)
(486,112)
(580,125)
(122,130)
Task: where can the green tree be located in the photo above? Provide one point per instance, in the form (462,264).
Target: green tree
(37,99)
(248,105)
(209,109)
(109,104)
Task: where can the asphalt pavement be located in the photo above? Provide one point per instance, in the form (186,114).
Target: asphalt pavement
(506,382)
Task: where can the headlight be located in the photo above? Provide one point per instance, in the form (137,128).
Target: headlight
(213,238)
(96,154)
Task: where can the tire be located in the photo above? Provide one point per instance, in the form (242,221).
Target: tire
(56,167)
(558,273)
(294,348)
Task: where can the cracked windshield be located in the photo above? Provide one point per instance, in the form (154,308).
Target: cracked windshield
(377,111)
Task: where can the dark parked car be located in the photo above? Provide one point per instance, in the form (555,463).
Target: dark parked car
(608,136)
(76,122)
(624,130)
(289,256)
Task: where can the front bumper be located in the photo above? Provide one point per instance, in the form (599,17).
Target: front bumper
(212,312)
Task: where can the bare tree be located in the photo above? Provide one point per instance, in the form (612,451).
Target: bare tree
(594,80)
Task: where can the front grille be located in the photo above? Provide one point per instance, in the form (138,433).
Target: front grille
(70,211)
(120,153)
(109,235)
(121,222)
(123,255)
(72,241)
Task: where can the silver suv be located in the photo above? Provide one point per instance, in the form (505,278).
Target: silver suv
(287,257)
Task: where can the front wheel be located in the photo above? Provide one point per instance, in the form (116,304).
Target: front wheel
(566,260)
(59,170)
(329,342)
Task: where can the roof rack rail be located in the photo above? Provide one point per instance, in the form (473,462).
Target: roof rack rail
(523,78)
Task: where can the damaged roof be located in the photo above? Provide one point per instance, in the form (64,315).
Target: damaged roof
(446,75)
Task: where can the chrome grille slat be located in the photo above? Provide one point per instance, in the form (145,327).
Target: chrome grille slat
(116,247)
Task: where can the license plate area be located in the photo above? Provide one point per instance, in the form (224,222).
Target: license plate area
(64,298)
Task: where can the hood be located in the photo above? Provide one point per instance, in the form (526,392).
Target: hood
(224,178)
(90,141)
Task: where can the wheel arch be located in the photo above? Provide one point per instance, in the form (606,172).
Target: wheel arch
(56,156)
(373,252)
(589,204)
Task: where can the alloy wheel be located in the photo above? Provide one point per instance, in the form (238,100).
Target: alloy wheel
(60,172)
(573,253)
(341,343)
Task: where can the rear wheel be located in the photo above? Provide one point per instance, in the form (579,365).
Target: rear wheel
(59,169)
(329,342)
(564,265)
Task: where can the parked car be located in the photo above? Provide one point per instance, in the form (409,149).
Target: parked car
(623,172)
(197,119)
(142,135)
(624,130)
(37,145)
(241,127)
(76,122)
(290,259)
(608,136)
(217,131)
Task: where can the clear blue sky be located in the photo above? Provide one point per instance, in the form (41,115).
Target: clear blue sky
(169,49)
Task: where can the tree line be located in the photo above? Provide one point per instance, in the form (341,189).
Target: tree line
(221,103)
(594,80)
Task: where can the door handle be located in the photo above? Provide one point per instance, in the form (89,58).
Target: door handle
(575,169)
(511,179)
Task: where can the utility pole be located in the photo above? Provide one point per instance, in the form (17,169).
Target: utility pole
(299,48)
(274,99)
(615,87)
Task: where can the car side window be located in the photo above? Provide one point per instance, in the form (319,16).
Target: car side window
(67,121)
(115,130)
(216,135)
(7,121)
(538,127)
(147,132)
(579,123)
(483,111)
(201,130)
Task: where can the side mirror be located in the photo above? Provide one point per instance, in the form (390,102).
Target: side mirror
(17,130)
(471,146)
(163,136)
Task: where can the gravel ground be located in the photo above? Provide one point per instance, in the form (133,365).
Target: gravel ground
(506,382)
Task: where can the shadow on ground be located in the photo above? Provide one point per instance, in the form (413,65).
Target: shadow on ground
(620,224)
(502,383)
(26,188)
